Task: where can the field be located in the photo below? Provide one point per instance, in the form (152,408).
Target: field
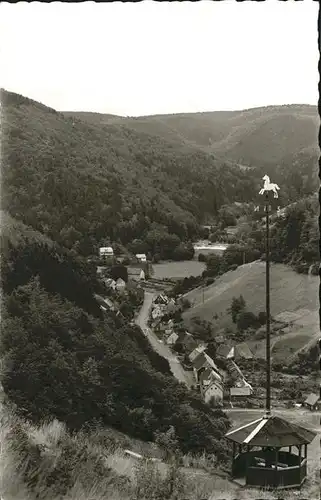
(290,292)
(181,269)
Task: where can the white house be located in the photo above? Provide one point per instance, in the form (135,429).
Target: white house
(172,339)
(211,385)
(120,285)
(141,257)
(214,390)
(157,312)
(106,252)
(142,275)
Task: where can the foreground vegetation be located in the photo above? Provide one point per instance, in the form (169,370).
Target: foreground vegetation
(54,331)
(45,461)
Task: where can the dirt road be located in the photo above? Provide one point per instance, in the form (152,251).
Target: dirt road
(163,350)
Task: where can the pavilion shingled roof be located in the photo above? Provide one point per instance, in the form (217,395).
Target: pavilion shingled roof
(271,431)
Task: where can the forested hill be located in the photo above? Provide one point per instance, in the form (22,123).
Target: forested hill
(266,135)
(54,331)
(279,140)
(81,183)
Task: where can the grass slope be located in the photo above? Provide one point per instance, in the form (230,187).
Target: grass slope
(290,291)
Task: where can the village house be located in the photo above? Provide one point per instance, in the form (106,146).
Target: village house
(110,304)
(161,299)
(171,307)
(155,322)
(201,363)
(162,327)
(313,402)
(120,285)
(225,351)
(141,257)
(211,385)
(157,312)
(198,350)
(100,270)
(106,252)
(110,283)
(135,273)
(188,342)
(105,303)
(236,374)
(242,351)
(170,323)
(171,340)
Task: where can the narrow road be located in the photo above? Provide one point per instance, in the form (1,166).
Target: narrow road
(163,350)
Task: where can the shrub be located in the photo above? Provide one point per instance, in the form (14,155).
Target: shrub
(201,257)
(245,320)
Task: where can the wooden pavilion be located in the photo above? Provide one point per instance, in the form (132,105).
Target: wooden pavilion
(262,453)
(259,453)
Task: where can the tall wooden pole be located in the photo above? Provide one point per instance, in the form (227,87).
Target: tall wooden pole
(268,354)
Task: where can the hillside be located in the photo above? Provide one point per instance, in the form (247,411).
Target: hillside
(279,140)
(247,136)
(54,331)
(90,184)
(290,292)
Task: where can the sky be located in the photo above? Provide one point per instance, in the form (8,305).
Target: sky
(146,58)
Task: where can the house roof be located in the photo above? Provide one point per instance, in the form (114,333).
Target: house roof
(110,282)
(199,361)
(106,249)
(240,391)
(131,270)
(173,337)
(189,342)
(312,399)
(271,431)
(210,375)
(198,350)
(243,351)
(223,350)
(203,359)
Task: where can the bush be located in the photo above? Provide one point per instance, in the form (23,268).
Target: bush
(201,257)
(245,320)
(262,317)
(186,304)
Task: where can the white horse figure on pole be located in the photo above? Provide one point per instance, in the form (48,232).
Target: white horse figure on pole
(268,186)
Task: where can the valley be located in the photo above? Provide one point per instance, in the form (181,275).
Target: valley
(138,333)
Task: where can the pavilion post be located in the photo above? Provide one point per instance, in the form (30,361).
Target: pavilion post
(247,462)
(234,453)
(276,465)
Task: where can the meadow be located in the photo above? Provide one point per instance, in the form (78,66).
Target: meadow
(290,292)
(181,269)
